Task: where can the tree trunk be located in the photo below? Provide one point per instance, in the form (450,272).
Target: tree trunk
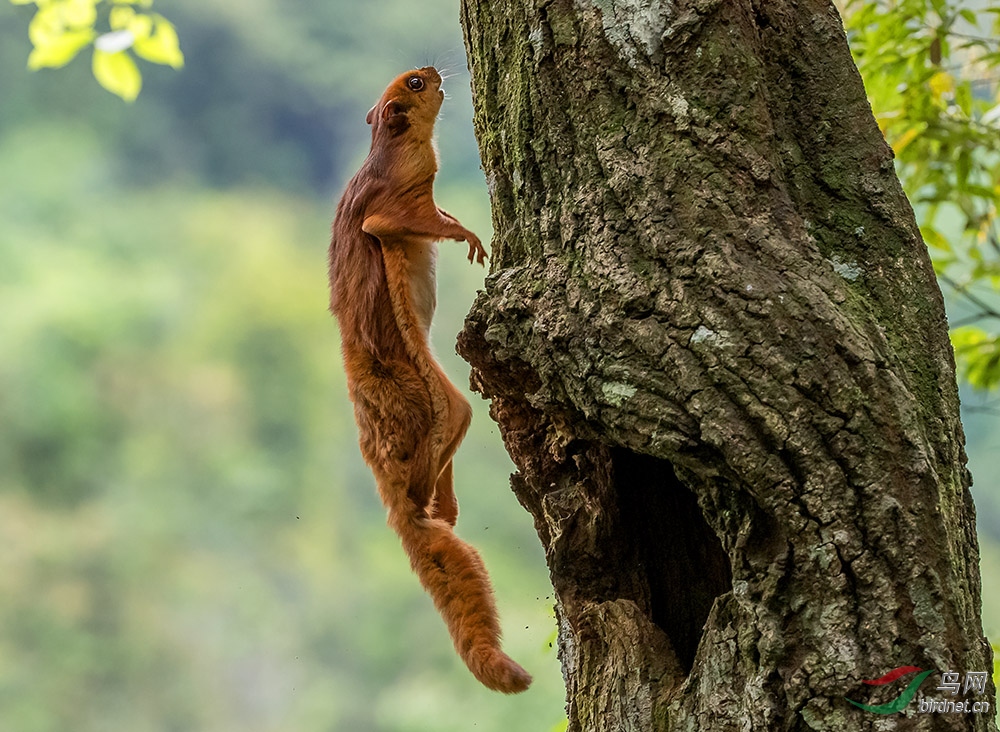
(716,349)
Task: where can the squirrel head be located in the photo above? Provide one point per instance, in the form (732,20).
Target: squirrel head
(412,100)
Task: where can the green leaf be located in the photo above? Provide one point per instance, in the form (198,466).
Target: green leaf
(118,73)
(934,238)
(45,26)
(963,97)
(163,46)
(969,15)
(139,25)
(120,17)
(79,13)
(978,356)
(963,164)
(60,50)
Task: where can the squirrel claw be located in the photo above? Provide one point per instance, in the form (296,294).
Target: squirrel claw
(477,253)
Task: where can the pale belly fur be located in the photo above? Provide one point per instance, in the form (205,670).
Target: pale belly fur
(422,260)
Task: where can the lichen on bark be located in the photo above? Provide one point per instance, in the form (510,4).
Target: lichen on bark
(718,356)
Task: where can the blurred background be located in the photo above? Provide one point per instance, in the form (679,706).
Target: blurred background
(189,539)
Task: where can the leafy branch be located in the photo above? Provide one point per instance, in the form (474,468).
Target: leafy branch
(116,29)
(930,69)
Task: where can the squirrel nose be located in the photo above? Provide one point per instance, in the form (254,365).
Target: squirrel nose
(432,74)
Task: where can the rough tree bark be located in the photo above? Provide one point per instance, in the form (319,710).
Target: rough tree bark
(715,346)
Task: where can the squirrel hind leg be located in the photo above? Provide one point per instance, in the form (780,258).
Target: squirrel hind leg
(445,505)
(405,482)
(394,418)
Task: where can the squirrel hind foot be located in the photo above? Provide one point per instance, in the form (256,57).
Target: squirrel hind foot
(497,671)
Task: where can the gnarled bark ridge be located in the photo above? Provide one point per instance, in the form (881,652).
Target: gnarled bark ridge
(716,349)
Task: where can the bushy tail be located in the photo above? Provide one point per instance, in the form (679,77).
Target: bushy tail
(454,576)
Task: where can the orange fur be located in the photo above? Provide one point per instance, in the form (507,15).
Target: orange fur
(411,418)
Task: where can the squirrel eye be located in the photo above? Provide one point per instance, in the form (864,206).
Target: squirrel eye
(415,83)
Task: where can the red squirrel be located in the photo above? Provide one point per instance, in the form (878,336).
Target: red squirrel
(411,418)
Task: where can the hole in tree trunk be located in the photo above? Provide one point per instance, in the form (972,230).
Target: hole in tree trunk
(683,561)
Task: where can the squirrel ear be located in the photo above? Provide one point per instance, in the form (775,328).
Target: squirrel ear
(392,117)
(391,109)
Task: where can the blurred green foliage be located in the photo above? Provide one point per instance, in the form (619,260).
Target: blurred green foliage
(931,70)
(188,537)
